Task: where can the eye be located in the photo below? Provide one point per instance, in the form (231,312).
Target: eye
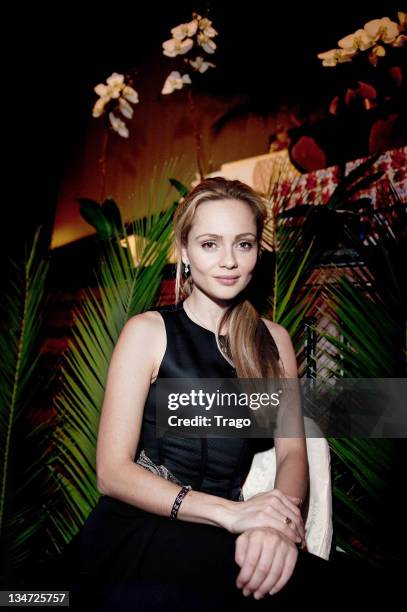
(247,247)
(250,245)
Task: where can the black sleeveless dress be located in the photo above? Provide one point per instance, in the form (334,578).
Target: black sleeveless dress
(135,560)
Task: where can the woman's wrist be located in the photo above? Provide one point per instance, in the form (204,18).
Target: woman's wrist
(202,507)
(226,513)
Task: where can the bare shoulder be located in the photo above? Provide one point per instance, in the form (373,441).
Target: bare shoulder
(275,329)
(147,322)
(149,325)
(285,347)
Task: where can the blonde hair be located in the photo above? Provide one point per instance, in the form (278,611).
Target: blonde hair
(250,346)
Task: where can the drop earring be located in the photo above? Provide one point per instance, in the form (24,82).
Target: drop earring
(186,269)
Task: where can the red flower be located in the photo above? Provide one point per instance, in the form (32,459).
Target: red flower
(308,154)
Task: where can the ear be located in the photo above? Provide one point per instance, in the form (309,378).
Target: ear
(184,255)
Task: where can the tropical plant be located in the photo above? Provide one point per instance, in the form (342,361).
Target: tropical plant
(121,290)
(49,438)
(24,427)
(364,312)
(105,217)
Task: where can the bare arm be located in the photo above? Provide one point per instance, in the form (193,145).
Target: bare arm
(292,470)
(128,382)
(292,475)
(260,551)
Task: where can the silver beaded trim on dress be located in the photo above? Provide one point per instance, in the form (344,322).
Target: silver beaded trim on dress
(160,470)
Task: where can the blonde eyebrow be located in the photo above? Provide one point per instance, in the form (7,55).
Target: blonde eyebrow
(218,236)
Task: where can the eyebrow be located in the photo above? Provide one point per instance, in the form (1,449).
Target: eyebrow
(217,235)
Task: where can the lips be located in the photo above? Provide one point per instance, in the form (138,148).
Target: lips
(227,280)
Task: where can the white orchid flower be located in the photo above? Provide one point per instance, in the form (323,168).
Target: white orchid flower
(115,80)
(206,27)
(99,106)
(402,17)
(400,41)
(210,32)
(185,30)
(130,94)
(375,53)
(200,64)
(102,90)
(336,56)
(175,81)
(173,47)
(206,43)
(382,29)
(115,84)
(359,40)
(125,108)
(184,46)
(118,125)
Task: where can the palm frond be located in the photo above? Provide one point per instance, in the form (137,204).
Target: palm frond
(21,472)
(359,313)
(122,289)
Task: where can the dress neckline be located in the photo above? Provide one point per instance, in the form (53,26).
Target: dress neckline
(197,324)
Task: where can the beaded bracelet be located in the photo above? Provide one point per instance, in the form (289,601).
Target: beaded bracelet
(185,489)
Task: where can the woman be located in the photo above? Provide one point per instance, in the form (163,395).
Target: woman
(171,530)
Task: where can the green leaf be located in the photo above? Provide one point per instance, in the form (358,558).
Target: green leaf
(112,213)
(93,213)
(22,444)
(183,190)
(122,289)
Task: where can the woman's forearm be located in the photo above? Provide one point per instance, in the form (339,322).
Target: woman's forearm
(292,475)
(137,486)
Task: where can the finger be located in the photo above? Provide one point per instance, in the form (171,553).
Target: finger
(287,572)
(294,515)
(273,576)
(294,523)
(250,561)
(296,500)
(291,505)
(270,516)
(241,545)
(285,503)
(287,499)
(263,567)
(280,524)
(304,546)
(282,512)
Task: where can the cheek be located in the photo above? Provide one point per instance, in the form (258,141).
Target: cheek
(248,262)
(203,261)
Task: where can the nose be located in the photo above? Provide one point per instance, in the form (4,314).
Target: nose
(228,257)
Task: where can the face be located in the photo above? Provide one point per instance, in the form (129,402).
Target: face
(222,243)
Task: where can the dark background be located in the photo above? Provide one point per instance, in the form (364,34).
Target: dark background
(55,54)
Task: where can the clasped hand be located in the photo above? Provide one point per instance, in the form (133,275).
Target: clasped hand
(266,548)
